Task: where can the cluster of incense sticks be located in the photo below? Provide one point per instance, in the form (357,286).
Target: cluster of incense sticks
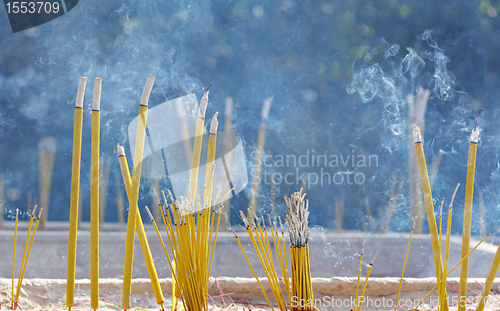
(297,278)
(46,155)
(26,254)
(441,264)
(258,158)
(359,299)
(192,227)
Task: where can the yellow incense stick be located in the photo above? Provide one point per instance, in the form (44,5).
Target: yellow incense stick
(469,193)
(198,140)
(24,264)
(489,281)
(453,269)
(403,272)
(429,206)
(253,271)
(94,196)
(134,192)
(261,140)
(75,193)
(14,257)
(146,251)
(362,297)
(359,276)
(209,174)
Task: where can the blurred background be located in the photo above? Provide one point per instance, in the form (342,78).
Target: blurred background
(337,72)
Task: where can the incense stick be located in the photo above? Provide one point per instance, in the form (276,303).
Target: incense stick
(404,267)
(143,240)
(75,193)
(134,192)
(360,303)
(119,203)
(14,258)
(469,193)
(489,280)
(46,155)
(258,158)
(359,277)
(228,158)
(94,196)
(429,206)
(2,186)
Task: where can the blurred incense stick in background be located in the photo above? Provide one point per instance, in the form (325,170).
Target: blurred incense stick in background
(339,213)
(186,138)
(104,170)
(119,204)
(393,200)
(261,140)
(228,132)
(46,155)
(482,216)
(435,167)
(416,114)
(2,191)
(155,199)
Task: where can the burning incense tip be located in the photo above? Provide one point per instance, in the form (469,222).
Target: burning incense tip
(417,138)
(147,90)
(474,136)
(265,109)
(214,125)
(203,105)
(120,151)
(96,103)
(81,92)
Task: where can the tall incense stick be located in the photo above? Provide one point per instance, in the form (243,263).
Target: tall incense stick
(404,267)
(469,193)
(75,193)
(416,113)
(226,208)
(198,140)
(104,171)
(134,192)
(143,239)
(429,205)
(14,257)
(261,140)
(94,196)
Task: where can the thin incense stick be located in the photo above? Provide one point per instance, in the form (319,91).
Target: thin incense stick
(198,140)
(359,276)
(186,139)
(416,112)
(134,192)
(435,167)
(258,158)
(469,193)
(429,206)
(404,267)
(228,158)
(453,269)
(2,186)
(119,203)
(94,195)
(14,258)
(393,200)
(489,281)
(362,297)
(155,198)
(482,216)
(146,251)
(24,264)
(75,193)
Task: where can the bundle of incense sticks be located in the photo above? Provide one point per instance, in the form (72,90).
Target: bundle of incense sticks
(46,155)
(299,287)
(26,254)
(192,228)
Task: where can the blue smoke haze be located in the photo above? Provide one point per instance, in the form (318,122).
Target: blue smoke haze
(302,54)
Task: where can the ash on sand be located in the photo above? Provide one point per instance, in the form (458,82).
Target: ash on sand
(239,293)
